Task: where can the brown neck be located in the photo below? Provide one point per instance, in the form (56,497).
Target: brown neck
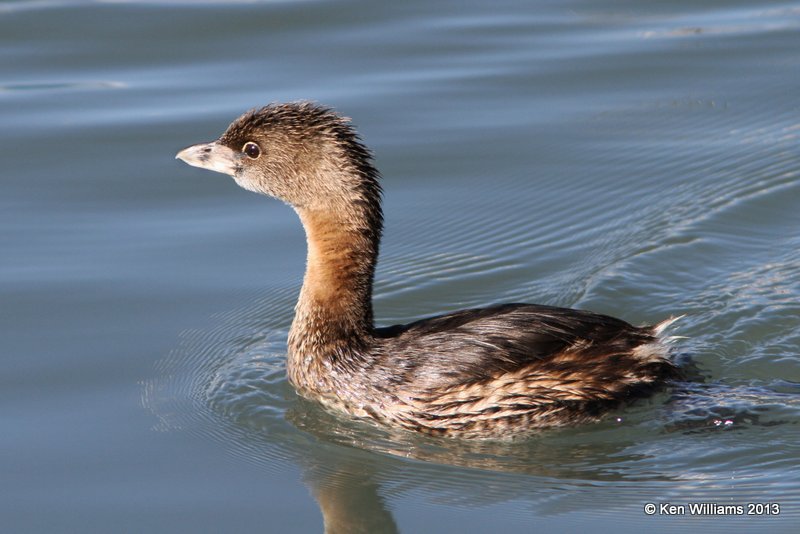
(334,310)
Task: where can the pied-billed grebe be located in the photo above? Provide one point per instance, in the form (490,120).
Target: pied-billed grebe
(491,372)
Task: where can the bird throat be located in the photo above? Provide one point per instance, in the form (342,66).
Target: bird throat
(334,310)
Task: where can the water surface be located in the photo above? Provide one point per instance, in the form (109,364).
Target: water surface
(635,159)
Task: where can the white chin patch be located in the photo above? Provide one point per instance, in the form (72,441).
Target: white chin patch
(242,181)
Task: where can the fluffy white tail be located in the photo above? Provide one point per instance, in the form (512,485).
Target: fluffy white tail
(659,329)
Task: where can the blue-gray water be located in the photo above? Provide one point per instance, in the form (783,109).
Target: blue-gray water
(633,158)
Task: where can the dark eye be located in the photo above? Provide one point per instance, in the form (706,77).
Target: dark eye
(252,150)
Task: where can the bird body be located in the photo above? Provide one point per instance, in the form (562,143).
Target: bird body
(493,372)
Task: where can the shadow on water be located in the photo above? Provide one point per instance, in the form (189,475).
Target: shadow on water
(229,384)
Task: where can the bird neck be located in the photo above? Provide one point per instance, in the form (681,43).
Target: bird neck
(334,310)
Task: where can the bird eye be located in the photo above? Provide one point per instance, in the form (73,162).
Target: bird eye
(252,150)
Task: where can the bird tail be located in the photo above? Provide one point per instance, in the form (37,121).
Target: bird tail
(660,328)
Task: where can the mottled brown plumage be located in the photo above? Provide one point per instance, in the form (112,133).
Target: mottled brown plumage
(491,372)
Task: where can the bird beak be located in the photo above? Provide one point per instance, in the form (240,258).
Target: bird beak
(212,156)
